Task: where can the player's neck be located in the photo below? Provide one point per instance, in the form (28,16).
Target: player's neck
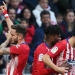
(21,41)
(71,42)
(48,43)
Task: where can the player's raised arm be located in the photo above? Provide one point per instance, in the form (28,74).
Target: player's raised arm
(4,10)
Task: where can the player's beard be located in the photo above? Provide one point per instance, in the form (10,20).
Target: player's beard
(15,41)
(74,45)
(54,42)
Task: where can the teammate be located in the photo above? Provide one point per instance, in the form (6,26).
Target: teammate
(52,36)
(20,51)
(63,50)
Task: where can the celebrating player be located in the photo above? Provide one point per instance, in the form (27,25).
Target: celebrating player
(39,67)
(63,50)
(20,51)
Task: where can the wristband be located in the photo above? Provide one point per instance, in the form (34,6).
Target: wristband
(6,14)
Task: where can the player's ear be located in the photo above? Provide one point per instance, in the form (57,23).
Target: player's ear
(20,36)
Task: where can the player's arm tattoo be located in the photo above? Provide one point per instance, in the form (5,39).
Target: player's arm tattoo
(3,45)
(4,51)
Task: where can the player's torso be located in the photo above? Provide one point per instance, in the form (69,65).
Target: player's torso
(38,54)
(67,54)
(19,56)
(14,64)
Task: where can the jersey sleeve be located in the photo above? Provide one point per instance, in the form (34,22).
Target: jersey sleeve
(18,49)
(41,67)
(56,50)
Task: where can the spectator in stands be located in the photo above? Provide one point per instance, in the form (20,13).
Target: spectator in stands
(31,3)
(68,25)
(39,34)
(17,5)
(24,22)
(54,6)
(59,18)
(27,14)
(1,17)
(7,2)
(12,15)
(30,30)
(43,5)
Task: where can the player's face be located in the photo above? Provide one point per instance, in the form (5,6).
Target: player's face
(56,38)
(14,37)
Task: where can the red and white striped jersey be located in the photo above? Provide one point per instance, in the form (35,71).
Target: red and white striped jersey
(61,52)
(19,56)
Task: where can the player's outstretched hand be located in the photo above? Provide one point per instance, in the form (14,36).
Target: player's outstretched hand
(3,8)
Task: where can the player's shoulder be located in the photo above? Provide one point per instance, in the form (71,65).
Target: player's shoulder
(24,46)
(41,47)
(60,43)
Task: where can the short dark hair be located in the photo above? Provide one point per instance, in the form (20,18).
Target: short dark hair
(52,30)
(44,12)
(59,14)
(26,20)
(32,19)
(69,10)
(19,29)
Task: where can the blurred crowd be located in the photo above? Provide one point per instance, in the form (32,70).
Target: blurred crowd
(35,15)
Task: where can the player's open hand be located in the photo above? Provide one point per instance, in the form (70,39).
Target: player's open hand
(64,64)
(3,7)
(63,70)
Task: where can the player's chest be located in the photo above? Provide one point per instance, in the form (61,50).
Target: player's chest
(67,54)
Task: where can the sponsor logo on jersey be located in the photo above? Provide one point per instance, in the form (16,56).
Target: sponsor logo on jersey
(40,57)
(54,50)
